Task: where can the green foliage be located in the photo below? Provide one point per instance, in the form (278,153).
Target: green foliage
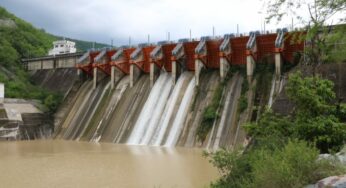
(210,114)
(284,149)
(52,102)
(311,95)
(85,45)
(314,117)
(271,126)
(21,40)
(294,164)
(242,103)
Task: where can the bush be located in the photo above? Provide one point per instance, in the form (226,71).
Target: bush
(295,164)
(52,102)
(242,103)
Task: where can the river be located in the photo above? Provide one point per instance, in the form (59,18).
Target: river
(57,163)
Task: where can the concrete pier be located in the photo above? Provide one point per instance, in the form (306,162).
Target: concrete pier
(278,64)
(95,77)
(131,75)
(198,68)
(174,72)
(154,73)
(112,77)
(250,66)
(224,67)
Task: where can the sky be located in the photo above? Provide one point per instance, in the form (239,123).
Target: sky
(118,20)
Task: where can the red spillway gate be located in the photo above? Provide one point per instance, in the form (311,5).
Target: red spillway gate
(144,62)
(87,64)
(189,49)
(265,45)
(211,59)
(292,45)
(166,60)
(123,62)
(238,46)
(103,63)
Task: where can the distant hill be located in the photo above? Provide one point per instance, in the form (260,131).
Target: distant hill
(19,39)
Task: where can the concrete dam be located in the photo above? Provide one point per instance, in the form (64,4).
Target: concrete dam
(162,94)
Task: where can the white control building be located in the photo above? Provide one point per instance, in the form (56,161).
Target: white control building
(62,47)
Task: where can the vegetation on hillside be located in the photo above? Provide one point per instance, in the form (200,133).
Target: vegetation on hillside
(19,39)
(284,149)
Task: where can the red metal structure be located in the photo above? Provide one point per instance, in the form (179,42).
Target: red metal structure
(211,58)
(291,46)
(188,56)
(165,60)
(85,63)
(142,61)
(122,62)
(238,46)
(265,45)
(102,61)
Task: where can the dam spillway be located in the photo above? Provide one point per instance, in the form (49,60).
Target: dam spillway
(159,95)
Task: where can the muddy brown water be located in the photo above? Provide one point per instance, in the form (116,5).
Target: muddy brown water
(57,163)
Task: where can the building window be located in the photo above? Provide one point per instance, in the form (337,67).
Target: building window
(61,45)
(56,46)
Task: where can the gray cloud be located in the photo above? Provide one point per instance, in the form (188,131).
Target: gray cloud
(103,20)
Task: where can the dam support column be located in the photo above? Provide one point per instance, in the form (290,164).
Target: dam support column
(250,67)
(112,76)
(224,67)
(198,68)
(131,75)
(278,64)
(174,72)
(154,71)
(95,78)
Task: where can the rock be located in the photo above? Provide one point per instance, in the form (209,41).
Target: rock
(331,182)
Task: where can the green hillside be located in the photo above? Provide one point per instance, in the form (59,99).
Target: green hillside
(19,39)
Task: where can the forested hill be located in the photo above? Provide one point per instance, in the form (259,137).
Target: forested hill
(19,39)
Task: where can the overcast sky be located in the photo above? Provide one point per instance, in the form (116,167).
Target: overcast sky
(103,20)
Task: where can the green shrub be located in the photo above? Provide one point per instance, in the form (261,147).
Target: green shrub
(295,164)
(242,103)
(52,102)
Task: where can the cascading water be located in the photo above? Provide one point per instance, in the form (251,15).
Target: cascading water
(165,119)
(181,115)
(171,108)
(157,98)
(157,117)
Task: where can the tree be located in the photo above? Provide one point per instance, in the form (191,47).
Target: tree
(295,164)
(319,35)
(315,116)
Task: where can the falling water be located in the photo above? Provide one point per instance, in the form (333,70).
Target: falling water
(181,115)
(156,100)
(167,114)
